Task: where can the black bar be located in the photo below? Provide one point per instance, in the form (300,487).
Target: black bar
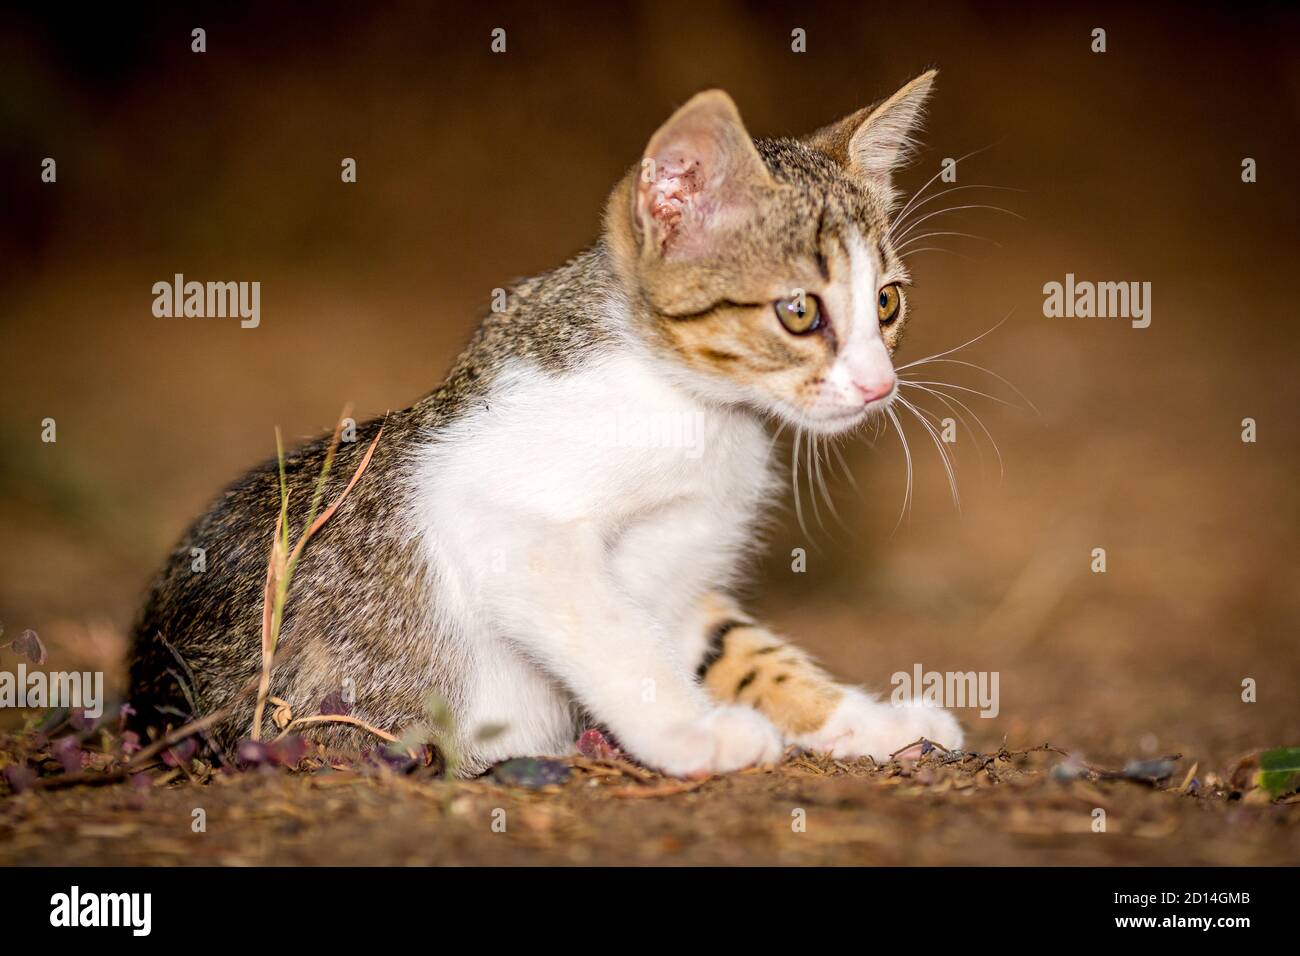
(514,904)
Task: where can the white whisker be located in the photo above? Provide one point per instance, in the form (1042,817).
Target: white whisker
(907,455)
(943,452)
(989,371)
(926,412)
(917,195)
(844,465)
(935,249)
(826,492)
(963,388)
(794,474)
(941,194)
(932,235)
(812,488)
(987,433)
(979,448)
(958,348)
(939,212)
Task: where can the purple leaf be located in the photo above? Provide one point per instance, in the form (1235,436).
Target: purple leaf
(394,757)
(28,645)
(180,754)
(288,751)
(594,745)
(130,742)
(20,777)
(252,752)
(67,751)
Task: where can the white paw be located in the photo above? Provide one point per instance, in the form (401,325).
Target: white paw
(861,726)
(724,739)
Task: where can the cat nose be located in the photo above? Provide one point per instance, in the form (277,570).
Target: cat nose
(875,390)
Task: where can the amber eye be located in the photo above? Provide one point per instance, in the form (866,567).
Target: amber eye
(801,314)
(888,303)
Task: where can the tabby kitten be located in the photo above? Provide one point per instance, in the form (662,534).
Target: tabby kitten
(517,549)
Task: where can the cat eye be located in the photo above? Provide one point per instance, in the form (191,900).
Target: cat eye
(888,303)
(801,314)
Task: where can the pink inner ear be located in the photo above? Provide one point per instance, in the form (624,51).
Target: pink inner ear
(672,196)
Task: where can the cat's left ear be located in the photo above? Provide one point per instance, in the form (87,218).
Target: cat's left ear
(871,143)
(700,178)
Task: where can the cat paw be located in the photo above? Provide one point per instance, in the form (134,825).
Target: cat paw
(861,726)
(725,739)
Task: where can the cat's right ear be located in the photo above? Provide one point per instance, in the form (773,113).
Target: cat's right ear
(873,142)
(699,176)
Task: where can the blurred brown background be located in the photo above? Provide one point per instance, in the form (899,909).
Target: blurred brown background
(475,168)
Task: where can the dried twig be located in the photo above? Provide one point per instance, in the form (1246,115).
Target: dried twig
(616,765)
(922,741)
(338,719)
(668,790)
(282,562)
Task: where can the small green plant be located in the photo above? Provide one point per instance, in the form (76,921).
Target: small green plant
(1279,771)
(284,560)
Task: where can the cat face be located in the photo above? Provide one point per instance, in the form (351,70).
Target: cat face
(764,268)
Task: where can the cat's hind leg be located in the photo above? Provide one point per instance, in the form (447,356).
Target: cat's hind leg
(744,663)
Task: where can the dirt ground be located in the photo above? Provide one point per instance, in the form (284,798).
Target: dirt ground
(474,170)
(807,811)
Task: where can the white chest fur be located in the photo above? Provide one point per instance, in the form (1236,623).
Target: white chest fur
(604,499)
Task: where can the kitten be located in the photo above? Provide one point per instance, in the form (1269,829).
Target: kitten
(518,547)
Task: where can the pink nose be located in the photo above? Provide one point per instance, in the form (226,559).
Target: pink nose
(875,390)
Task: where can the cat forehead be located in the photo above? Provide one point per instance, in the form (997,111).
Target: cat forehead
(798,164)
(825,193)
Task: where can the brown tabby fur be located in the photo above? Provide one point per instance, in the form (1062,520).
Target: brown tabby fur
(360,605)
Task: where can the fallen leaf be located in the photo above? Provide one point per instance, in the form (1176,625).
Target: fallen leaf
(29,645)
(1279,771)
(1149,771)
(530,772)
(19,776)
(594,745)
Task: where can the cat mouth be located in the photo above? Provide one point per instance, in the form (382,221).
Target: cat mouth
(836,421)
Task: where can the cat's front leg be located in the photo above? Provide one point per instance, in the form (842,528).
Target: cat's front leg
(566,613)
(745,663)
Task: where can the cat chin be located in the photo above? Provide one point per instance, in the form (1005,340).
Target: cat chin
(832,423)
